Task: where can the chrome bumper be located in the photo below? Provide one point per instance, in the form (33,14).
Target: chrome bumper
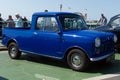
(100,58)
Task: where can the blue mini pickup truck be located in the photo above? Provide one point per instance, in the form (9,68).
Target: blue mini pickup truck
(60,35)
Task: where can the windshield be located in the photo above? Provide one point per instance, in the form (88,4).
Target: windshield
(72,22)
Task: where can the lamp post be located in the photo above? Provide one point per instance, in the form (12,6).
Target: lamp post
(60,7)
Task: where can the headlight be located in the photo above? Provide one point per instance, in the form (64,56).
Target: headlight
(115,38)
(97,42)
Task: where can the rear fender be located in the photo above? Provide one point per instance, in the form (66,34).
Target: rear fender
(11,40)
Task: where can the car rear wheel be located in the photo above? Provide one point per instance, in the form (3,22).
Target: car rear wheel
(13,51)
(77,60)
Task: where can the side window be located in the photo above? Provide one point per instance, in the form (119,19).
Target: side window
(47,24)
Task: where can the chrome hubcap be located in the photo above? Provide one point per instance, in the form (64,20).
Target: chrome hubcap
(76,60)
(13,51)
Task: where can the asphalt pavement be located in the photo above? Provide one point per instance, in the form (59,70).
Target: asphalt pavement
(113,78)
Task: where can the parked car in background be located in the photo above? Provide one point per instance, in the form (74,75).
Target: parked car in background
(114,27)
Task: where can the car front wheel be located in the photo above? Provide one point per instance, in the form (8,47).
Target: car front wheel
(77,60)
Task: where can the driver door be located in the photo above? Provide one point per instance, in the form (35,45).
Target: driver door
(46,39)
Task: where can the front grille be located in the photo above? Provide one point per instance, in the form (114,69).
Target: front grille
(106,46)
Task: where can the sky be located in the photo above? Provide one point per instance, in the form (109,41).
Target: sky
(93,8)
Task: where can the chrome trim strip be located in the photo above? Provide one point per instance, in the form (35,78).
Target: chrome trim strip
(100,58)
(29,52)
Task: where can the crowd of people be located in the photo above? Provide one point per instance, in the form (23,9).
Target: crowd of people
(10,22)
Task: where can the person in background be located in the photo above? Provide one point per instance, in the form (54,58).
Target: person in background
(103,20)
(85,17)
(10,22)
(1,24)
(18,21)
(46,10)
(1,21)
(25,22)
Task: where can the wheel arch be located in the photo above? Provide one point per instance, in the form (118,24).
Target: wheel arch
(75,47)
(10,41)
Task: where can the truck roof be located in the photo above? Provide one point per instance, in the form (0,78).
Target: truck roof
(53,13)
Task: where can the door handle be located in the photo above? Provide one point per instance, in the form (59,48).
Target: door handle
(35,33)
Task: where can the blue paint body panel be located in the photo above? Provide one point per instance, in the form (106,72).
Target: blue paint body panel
(56,44)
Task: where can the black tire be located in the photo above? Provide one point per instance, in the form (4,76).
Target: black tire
(13,51)
(118,50)
(77,60)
